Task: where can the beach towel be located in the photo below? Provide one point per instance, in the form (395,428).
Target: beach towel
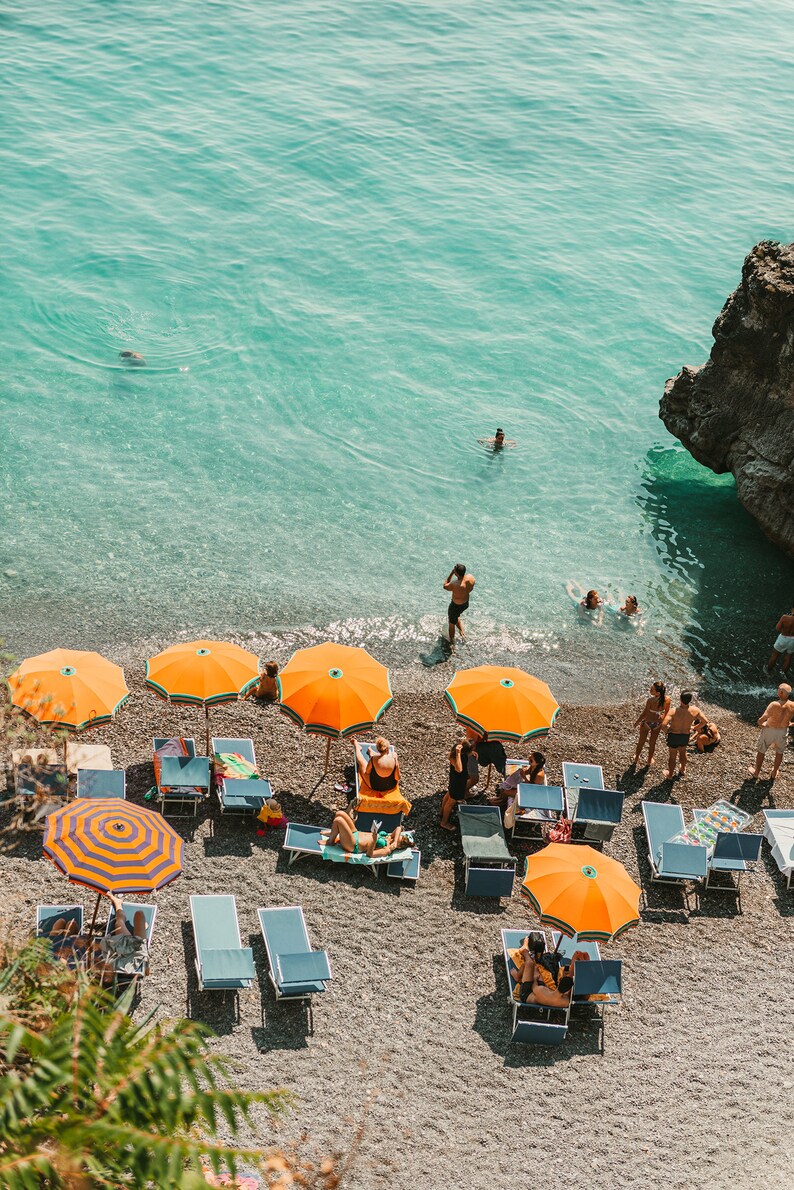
(338,855)
(232,764)
(371,802)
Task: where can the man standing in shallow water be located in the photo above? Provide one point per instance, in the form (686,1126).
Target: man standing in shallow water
(774,724)
(460,585)
(784,644)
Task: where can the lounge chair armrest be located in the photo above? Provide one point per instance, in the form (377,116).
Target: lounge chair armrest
(306,967)
(227,964)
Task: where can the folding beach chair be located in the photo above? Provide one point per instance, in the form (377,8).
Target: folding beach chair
(129,909)
(296,971)
(595,813)
(101,783)
(489,868)
(244,794)
(48,915)
(732,853)
(779,834)
(582,776)
(537,806)
(222,963)
(301,840)
(671,863)
(182,778)
(532,1023)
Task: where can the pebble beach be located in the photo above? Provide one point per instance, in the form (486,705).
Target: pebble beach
(406,1063)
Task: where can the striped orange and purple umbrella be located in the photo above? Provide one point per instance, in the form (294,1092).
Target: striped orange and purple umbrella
(113,846)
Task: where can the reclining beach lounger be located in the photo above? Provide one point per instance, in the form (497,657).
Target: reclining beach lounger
(732,852)
(582,776)
(245,793)
(296,971)
(222,964)
(40,788)
(129,909)
(48,915)
(779,834)
(489,867)
(87,756)
(594,812)
(536,807)
(671,863)
(101,783)
(301,840)
(593,977)
(532,1023)
(181,777)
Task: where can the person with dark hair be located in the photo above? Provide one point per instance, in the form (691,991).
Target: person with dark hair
(267,687)
(460,779)
(706,736)
(650,719)
(460,585)
(784,643)
(498,442)
(539,975)
(375,843)
(679,724)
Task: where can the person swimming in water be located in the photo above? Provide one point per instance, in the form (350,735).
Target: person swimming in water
(498,442)
(591,606)
(133,358)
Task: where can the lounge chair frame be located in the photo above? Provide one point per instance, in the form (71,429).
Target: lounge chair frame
(256,791)
(231,983)
(280,988)
(179,805)
(485,876)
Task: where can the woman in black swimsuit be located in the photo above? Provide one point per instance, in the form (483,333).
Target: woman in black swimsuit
(460,780)
(382,770)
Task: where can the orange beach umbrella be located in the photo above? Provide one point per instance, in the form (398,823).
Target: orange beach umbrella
(203,673)
(334,690)
(70,688)
(578,890)
(505,703)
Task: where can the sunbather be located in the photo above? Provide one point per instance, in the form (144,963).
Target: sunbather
(540,976)
(533,773)
(267,688)
(123,952)
(375,845)
(381,771)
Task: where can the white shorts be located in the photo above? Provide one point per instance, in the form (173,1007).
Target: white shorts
(784,644)
(775,738)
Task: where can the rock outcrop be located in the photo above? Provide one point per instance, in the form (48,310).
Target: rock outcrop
(736,412)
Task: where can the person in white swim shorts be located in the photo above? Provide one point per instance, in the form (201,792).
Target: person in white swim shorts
(774,724)
(784,645)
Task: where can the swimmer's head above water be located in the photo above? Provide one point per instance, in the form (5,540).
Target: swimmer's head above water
(133,358)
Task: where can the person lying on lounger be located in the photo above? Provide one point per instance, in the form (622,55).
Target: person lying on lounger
(123,952)
(381,770)
(540,976)
(370,843)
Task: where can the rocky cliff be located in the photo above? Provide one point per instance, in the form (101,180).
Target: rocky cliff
(736,412)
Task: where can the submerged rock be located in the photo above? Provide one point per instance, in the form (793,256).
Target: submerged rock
(736,412)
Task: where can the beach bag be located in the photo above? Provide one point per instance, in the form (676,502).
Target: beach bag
(560,832)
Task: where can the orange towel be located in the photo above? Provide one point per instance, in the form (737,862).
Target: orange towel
(371,802)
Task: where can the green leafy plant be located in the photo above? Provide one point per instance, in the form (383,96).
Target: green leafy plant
(95,1100)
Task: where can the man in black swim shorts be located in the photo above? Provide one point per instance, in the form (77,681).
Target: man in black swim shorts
(460,585)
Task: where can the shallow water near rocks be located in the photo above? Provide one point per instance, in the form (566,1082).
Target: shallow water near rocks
(349,242)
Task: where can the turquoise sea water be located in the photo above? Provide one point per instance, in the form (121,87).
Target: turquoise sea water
(350,239)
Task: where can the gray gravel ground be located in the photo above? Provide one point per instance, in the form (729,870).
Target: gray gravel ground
(412,1041)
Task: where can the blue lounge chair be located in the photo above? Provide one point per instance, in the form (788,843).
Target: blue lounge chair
(489,868)
(184,779)
(40,788)
(101,783)
(671,863)
(222,963)
(532,1023)
(296,971)
(582,776)
(536,807)
(733,853)
(240,795)
(47,915)
(301,840)
(595,812)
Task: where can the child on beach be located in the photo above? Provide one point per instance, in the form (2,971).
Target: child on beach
(268,687)
(650,719)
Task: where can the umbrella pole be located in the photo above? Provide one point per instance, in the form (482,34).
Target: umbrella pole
(93,919)
(327,756)
(207,728)
(488,779)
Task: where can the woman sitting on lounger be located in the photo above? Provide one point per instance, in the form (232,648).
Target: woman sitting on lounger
(344,835)
(382,770)
(539,975)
